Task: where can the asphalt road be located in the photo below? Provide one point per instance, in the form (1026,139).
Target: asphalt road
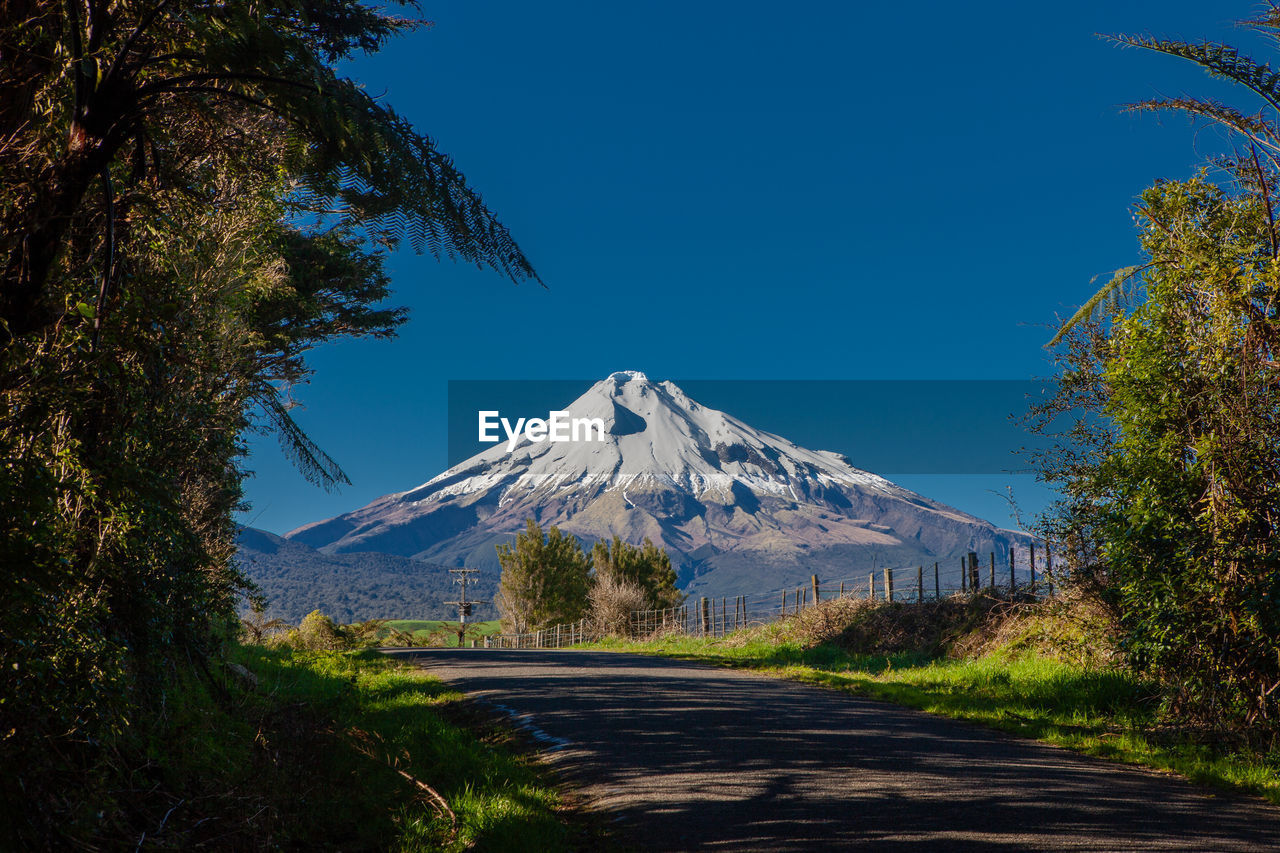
(685,756)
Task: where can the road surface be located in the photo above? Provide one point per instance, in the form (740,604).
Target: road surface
(685,756)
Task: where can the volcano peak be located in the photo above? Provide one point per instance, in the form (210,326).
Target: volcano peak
(736,507)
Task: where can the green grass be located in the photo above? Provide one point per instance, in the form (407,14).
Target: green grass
(315,756)
(447,631)
(413,721)
(1106,712)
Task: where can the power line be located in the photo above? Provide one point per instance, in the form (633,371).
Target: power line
(463,577)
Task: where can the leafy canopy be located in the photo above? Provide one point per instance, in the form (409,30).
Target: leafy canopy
(647,566)
(191,197)
(1171,476)
(545,579)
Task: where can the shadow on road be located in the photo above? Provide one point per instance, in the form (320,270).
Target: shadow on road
(689,756)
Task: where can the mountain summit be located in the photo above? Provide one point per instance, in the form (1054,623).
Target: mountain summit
(740,510)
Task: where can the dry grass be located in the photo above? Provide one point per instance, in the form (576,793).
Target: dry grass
(1072,628)
(612,602)
(861,626)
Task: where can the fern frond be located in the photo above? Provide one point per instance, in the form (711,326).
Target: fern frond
(1109,293)
(1266,23)
(1255,128)
(1220,60)
(314,464)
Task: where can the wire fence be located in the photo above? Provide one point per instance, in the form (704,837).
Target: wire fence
(555,637)
(717,616)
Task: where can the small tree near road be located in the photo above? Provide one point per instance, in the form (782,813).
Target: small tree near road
(545,579)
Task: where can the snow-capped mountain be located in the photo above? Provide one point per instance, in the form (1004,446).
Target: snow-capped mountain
(739,510)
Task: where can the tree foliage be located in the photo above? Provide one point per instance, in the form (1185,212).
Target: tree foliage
(647,567)
(190,199)
(545,579)
(1256,161)
(155,88)
(1178,506)
(1172,477)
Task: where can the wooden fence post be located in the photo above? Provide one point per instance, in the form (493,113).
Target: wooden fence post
(888,584)
(1013,580)
(871,587)
(723,602)
(920,584)
(784,602)
(993,572)
(937,583)
(973,572)
(1048,565)
(1033,570)
(706,617)
(964,574)
(816,599)
(842,589)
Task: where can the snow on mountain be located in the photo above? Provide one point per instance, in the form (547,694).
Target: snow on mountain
(739,509)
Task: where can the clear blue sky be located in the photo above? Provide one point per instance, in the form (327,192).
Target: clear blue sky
(751,191)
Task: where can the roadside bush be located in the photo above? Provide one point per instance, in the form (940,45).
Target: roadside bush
(612,600)
(1073,628)
(257,630)
(863,626)
(931,628)
(318,633)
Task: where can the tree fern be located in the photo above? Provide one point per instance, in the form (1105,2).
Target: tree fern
(1259,129)
(317,466)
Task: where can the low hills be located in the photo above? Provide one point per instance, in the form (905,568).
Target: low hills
(353,587)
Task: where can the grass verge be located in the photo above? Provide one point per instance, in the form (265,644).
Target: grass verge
(331,750)
(1104,711)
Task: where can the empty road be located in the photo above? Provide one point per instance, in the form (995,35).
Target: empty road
(686,756)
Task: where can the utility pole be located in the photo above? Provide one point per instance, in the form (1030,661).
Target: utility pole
(463,577)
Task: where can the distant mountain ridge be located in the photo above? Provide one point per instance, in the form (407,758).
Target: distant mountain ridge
(740,510)
(352,587)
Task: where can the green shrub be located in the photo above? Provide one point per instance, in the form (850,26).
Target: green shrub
(318,633)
